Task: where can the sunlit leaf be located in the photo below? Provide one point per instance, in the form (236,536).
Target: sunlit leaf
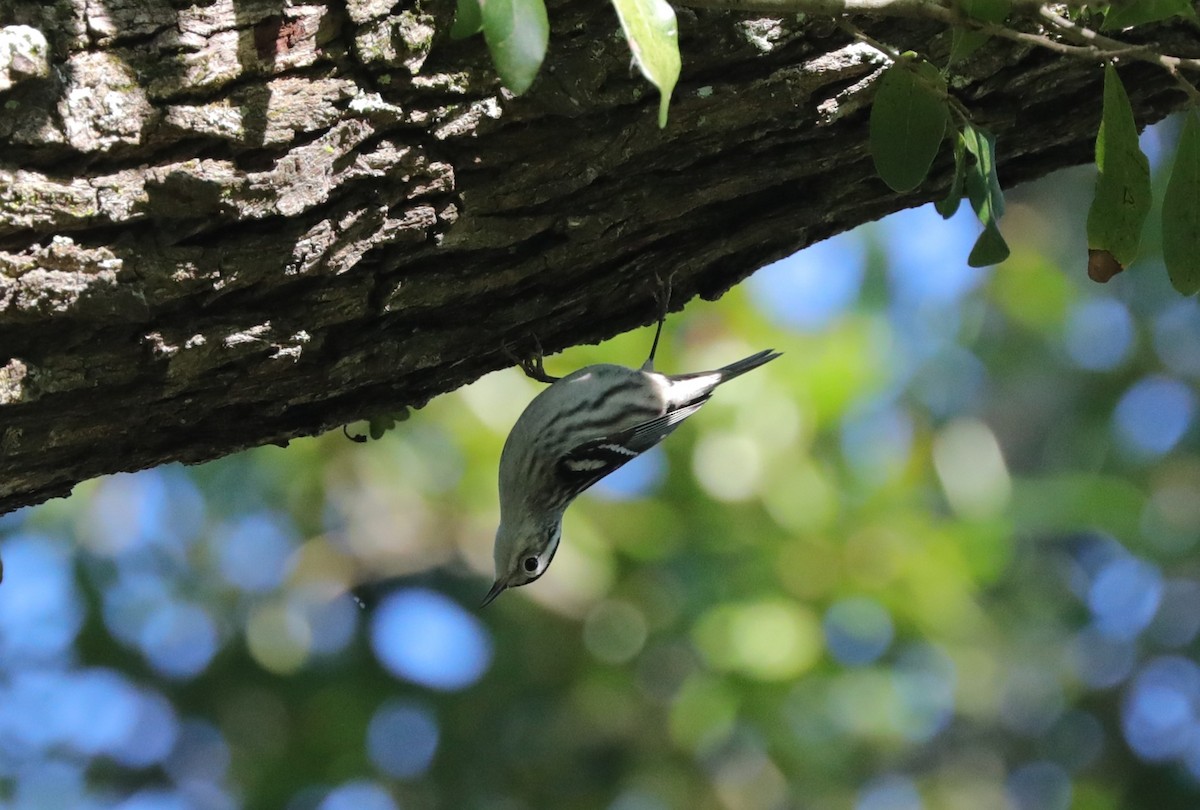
(1181,212)
(1122,197)
(653,36)
(516,32)
(468,19)
(1128,13)
(908,120)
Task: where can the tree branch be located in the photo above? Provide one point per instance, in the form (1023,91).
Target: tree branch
(223,226)
(891,53)
(830,8)
(1093,45)
(1112,48)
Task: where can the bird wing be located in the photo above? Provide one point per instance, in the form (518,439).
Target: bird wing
(587,463)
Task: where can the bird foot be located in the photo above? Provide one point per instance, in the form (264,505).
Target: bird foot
(532,365)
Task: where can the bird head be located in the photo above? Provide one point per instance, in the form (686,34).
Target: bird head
(523,552)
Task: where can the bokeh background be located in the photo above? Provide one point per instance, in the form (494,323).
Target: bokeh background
(942,554)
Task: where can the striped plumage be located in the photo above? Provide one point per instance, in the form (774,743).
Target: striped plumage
(574,433)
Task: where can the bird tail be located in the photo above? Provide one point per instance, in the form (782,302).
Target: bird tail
(695,389)
(740,367)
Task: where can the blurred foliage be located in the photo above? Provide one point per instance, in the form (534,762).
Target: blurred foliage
(940,555)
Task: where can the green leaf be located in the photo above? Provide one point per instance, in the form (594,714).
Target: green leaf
(516,32)
(1122,197)
(990,247)
(1181,212)
(908,120)
(653,37)
(948,207)
(468,19)
(965,41)
(1129,13)
(983,181)
(993,11)
(982,185)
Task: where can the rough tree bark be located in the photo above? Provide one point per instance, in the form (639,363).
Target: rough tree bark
(236,222)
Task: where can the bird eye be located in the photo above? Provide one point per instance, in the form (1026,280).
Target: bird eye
(530,564)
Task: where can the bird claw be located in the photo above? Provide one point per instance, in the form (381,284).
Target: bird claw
(534,369)
(532,365)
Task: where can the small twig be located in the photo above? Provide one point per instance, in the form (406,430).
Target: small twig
(1089,44)
(897,58)
(833,8)
(1173,69)
(1113,48)
(823,8)
(952,17)
(863,36)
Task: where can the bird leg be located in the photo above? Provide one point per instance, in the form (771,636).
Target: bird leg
(532,364)
(662,297)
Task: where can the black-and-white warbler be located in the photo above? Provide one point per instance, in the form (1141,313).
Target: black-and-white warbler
(574,433)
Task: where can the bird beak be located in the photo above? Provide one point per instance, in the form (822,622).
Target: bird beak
(497,589)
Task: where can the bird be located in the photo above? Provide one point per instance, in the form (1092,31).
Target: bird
(578,430)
